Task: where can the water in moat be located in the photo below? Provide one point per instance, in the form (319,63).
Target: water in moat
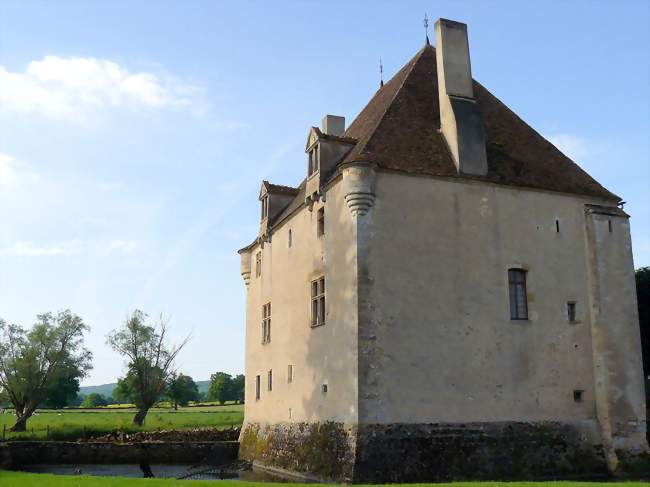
(188,472)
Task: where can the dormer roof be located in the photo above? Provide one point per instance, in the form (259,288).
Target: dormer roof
(269,188)
(316,134)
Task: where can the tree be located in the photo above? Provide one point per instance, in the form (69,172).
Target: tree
(643,299)
(149,360)
(220,387)
(238,387)
(181,389)
(63,390)
(122,392)
(94,400)
(31,360)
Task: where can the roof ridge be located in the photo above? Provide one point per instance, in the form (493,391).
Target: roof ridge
(410,65)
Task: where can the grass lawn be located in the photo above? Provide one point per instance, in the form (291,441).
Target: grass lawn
(71,424)
(16,479)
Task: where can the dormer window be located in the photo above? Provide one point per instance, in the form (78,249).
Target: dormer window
(313,161)
(265,207)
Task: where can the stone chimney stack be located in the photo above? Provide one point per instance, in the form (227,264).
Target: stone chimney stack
(333,125)
(460,121)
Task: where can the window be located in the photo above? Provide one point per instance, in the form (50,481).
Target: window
(290,373)
(257,387)
(290,239)
(318,302)
(313,161)
(557,225)
(265,207)
(266,323)
(320,222)
(324,388)
(258,264)
(577,395)
(270,380)
(609,225)
(518,299)
(571,311)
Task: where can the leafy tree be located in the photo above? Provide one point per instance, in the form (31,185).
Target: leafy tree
(63,390)
(238,385)
(643,298)
(181,389)
(220,387)
(149,360)
(122,392)
(31,360)
(94,400)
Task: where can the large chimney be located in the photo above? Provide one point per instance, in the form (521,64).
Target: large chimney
(333,125)
(460,121)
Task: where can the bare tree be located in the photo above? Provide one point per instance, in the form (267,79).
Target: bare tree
(150,360)
(31,360)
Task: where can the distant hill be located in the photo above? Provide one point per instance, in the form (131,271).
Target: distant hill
(107,389)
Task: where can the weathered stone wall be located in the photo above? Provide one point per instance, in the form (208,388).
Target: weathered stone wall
(18,453)
(322,450)
(424,452)
(495,451)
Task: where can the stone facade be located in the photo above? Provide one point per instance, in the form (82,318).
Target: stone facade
(417,369)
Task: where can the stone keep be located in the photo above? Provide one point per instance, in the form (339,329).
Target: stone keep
(446,295)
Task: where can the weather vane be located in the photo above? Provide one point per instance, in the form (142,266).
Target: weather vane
(426,27)
(381,73)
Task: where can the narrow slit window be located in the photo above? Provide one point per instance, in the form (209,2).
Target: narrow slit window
(265,207)
(257,387)
(290,373)
(318,302)
(609,225)
(557,225)
(290,239)
(320,229)
(571,311)
(270,380)
(324,388)
(518,297)
(258,264)
(266,323)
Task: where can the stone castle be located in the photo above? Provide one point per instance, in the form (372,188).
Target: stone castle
(445,295)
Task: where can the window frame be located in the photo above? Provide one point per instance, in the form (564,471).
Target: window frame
(270,380)
(518,294)
(313,166)
(265,207)
(317,302)
(258,263)
(266,323)
(572,311)
(289,373)
(258,387)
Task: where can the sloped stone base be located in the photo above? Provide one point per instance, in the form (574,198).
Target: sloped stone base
(424,452)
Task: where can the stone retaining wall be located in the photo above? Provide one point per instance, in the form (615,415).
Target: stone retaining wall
(424,452)
(18,453)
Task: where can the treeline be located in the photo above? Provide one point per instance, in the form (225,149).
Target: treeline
(44,364)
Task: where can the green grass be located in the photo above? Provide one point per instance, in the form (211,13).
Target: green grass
(16,479)
(72,424)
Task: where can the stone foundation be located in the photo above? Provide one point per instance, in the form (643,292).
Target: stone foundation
(424,452)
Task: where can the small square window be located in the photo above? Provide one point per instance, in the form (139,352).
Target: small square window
(577,395)
(324,388)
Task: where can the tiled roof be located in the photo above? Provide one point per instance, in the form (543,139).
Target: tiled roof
(399,130)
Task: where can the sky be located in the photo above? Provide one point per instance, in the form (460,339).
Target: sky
(134,136)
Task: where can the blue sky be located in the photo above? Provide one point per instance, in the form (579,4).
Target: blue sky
(134,136)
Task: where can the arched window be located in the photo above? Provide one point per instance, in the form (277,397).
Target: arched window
(518,298)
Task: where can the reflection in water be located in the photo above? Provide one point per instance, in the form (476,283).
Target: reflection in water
(189,472)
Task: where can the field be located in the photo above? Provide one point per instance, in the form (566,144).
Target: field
(72,424)
(16,479)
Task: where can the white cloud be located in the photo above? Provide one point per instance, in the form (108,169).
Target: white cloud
(14,174)
(70,248)
(73,88)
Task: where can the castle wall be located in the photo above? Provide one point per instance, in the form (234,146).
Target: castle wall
(320,355)
(436,339)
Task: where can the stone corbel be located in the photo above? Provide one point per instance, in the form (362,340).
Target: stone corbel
(245,267)
(359,187)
